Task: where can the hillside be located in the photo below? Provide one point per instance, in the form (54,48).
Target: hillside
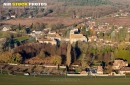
(122,21)
(121,1)
(87,2)
(47,20)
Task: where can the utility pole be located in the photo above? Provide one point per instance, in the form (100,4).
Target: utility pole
(125,74)
(66,72)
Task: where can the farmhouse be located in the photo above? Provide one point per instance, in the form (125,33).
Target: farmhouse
(13,16)
(47,41)
(125,70)
(118,64)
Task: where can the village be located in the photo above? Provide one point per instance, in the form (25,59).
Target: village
(64,42)
(96,31)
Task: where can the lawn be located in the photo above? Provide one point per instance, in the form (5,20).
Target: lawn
(30,80)
(21,38)
(1,34)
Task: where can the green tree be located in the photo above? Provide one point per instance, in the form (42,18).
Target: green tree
(19,27)
(56,60)
(41,54)
(8,57)
(31,26)
(121,52)
(36,26)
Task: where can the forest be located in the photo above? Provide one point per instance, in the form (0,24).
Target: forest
(88,2)
(82,53)
(69,8)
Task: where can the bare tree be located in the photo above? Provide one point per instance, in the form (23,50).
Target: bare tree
(68,60)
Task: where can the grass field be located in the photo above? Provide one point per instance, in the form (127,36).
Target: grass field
(1,34)
(121,21)
(48,20)
(30,80)
(21,38)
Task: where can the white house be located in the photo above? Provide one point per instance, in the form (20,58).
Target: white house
(13,16)
(30,16)
(37,32)
(47,41)
(6,28)
(53,42)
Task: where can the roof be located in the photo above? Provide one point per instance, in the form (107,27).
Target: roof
(51,35)
(7,27)
(99,68)
(119,61)
(77,36)
(83,72)
(125,69)
(50,40)
(13,15)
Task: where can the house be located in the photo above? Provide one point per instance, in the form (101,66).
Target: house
(13,16)
(37,32)
(30,16)
(91,23)
(88,18)
(128,30)
(93,38)
(54,35)
(77,37)
(74,31)
(47,41)
(118,64)
(99,70)
(53,42)
(83,72)
(6,28)
(125,70)
(127,43)
(120,27)
(7,17)
(124,14)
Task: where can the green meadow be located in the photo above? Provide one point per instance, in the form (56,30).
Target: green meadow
(55,80)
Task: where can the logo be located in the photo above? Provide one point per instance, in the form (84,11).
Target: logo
(24,4)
